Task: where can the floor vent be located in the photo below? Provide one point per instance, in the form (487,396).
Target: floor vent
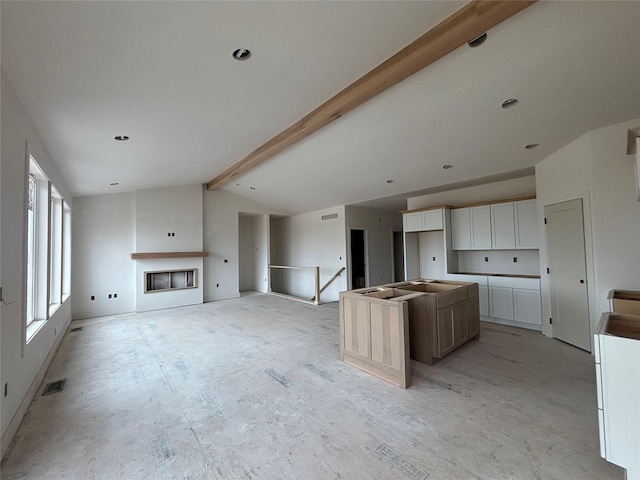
(54,387)
(76,329)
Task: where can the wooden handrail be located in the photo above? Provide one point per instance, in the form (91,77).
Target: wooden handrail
(324,287)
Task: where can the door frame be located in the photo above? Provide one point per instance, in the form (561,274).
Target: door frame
(393,256)
(545,288)
(366,257)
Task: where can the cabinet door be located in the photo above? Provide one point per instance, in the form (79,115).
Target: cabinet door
(444,342)
(483,297)
(526,306)
(503,235)
(460,326)
(480,218)
(501,303)
(432,220)
(460,229)
(473,316)
(525,213)
(413,222)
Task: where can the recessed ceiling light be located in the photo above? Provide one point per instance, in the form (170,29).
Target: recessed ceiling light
(121,138)
(389,181)
(241,54)
(531,146)
(447,166)
(114,184)
(479,40)
(509,102)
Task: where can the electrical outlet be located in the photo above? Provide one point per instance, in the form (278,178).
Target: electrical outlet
(173,234)
(226,261)
(217,285)
(515,259)
(93,297)
(168,234)
(486,259)
(434,259)
(115,295)
(109,295)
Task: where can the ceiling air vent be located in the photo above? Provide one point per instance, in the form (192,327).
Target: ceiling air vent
(331,216)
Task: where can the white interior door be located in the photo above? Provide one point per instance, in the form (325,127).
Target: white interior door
(568,273)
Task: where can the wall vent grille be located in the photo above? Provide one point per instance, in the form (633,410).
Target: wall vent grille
(331,216)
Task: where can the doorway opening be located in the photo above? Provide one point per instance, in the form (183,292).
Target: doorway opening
(398,257)
(358,258)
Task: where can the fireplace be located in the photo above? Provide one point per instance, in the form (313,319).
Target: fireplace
(165,280)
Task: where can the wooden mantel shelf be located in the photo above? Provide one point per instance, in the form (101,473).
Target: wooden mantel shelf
(148,255)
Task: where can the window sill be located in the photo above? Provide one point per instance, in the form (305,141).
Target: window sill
(34,328)
(53,308)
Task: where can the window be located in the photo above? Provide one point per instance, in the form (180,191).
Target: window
(31,249)
(66,250)
(48,246)
(55,251)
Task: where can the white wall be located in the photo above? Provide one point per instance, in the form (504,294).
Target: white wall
(305,240)
(477,194)
(379,225)
(253,254)
(22,366)
(499,261)
(221,240)
(431,245)
(261,253)
(594,167)
(160,211)
(616,212)
(246,234)
(103,240)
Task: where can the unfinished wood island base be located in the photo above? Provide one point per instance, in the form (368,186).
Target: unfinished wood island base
(382,327)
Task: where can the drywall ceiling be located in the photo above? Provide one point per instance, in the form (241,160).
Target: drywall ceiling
(162,73)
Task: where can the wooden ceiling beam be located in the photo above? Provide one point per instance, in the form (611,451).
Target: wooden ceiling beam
(464,25)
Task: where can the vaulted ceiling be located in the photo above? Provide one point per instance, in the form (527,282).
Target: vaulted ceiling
(162,73)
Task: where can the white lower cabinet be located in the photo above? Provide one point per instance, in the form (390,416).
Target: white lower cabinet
(508,300)
(501,303)
(617,358)
(483,297)
(515,299)
(527,307)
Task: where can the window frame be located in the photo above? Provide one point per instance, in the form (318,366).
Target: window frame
(47,241)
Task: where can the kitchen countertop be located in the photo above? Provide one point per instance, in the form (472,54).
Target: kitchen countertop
(512,275)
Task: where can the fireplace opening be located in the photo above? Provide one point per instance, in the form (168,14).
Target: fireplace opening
(161,281)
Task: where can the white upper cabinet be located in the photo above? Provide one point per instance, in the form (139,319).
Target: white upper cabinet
(526,224)
(480,227)
(413,222)
(433,219)
(460,229)
(503,234)
(424,220)
(498,226)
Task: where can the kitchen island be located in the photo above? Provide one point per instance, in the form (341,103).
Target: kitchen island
(382,327)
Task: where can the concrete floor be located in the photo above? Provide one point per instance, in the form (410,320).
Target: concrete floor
(253,388)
